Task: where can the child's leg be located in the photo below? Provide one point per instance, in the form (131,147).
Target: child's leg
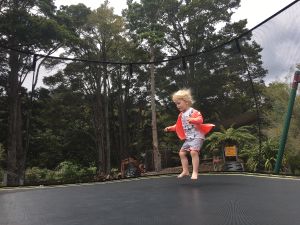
(195,162)
(184,163)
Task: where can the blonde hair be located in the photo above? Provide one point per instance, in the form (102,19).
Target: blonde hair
(183,94)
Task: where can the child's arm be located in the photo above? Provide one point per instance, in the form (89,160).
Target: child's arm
(170,128)
(196,118)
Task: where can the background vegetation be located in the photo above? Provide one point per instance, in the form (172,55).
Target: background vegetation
(89,116)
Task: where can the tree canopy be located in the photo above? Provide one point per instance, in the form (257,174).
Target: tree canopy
(99,110)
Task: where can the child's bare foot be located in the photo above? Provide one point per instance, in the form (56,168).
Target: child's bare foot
(194,176)
(183,174)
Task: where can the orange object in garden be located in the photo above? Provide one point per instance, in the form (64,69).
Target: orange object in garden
(230,151)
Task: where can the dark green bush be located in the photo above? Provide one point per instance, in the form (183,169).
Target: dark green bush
(65,172)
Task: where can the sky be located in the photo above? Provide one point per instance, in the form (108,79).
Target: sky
(255,11)
(278,38)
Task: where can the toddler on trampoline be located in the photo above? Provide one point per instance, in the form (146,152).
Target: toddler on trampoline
(190,128)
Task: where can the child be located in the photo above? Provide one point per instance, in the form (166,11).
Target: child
(189,127)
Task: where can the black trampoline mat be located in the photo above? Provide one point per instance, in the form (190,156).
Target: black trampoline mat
(211,200)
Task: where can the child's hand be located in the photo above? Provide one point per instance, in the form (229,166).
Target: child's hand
(170,128)
(190,120)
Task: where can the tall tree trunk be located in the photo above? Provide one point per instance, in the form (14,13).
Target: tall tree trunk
(122,115)
(126,106)
(21,154)
(156,153)
(98,126)
(121,124)
(15,148)
(106,122)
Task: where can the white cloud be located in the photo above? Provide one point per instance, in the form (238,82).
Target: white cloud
(118,5)
(279,39)
(256,11)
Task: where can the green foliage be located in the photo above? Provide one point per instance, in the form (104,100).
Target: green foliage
(293,160)
(28,26)
(2,154)
(2,161)
(68,117)
(65,172)
(277,97)
(253,155)
(1,176)
(144,19)
(231,136)
(61,130)
(35,175)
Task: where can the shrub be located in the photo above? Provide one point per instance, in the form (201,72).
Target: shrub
(253,155)
(67,172)
(1,176)
(35,175)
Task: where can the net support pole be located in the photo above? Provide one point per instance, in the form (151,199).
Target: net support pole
(287,122)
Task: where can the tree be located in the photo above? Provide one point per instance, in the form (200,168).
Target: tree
(275,108)
(44,32)
(217,76)
(143,21)
(100,40)
(2,156)
(61,129)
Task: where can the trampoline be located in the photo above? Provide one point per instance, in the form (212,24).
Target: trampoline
(213,199)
